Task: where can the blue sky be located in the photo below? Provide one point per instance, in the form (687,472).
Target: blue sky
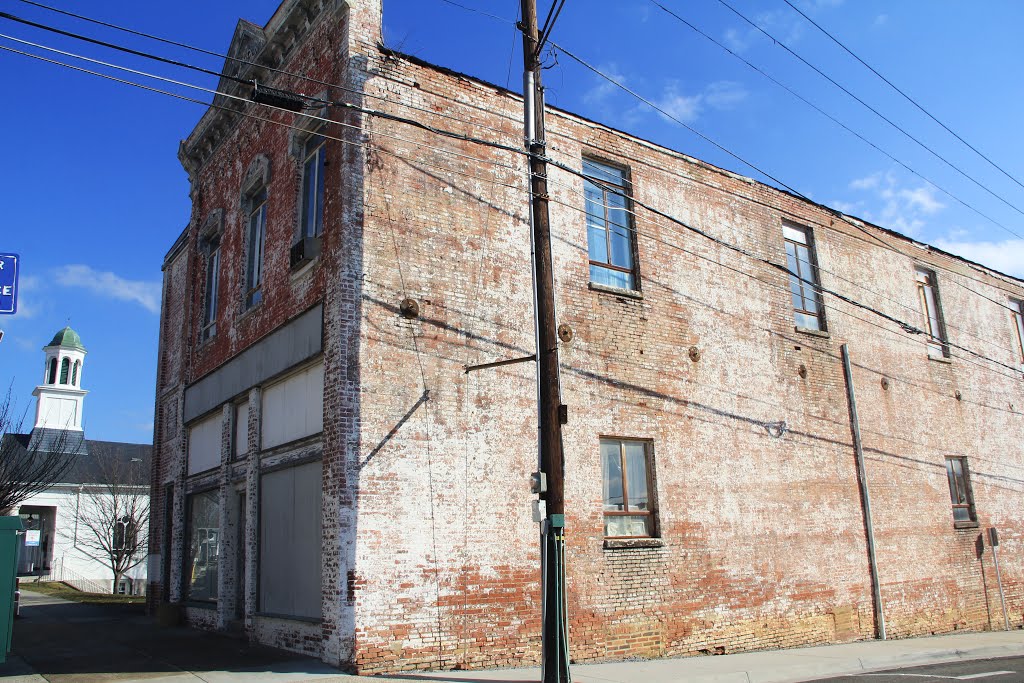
(93,194)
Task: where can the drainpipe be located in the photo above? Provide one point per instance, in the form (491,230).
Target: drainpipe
(865,494)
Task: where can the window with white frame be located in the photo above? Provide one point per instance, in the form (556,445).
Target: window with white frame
(256,234)
(803,277)
(609,225)
(934,325)
(628,485)
(311,221)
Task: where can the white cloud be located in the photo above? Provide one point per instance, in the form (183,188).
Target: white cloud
(604,89)
(893,205)
(720,95)
(1006,256)
(881,20)
(107,284)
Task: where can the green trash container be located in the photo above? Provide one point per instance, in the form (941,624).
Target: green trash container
(9,528)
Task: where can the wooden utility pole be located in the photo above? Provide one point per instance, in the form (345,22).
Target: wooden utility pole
(555,630)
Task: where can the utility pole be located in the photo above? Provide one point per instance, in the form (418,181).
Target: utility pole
(555,629)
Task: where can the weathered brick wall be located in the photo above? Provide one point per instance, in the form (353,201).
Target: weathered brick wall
(430,557)
(763,537)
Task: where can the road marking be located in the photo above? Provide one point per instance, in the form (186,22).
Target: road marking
(965,677)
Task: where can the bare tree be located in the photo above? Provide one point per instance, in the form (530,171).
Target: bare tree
(114,514)
(29,466)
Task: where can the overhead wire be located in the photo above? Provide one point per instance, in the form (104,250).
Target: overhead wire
(882,116)
(436,113)
(906,326)
(830,117)
(907,97)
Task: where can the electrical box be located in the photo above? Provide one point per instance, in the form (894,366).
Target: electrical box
(539,511)
(538,483)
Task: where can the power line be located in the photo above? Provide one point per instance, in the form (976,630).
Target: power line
(905,326)
(832,118)
(268,68)
(476,123)
(880,115)
(905,95)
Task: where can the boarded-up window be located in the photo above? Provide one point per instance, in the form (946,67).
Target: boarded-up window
(290,541)
(241,429)
(204,444)
(294,407)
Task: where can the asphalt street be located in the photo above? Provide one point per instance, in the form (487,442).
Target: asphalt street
(1006,670)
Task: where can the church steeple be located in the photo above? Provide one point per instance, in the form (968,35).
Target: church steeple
(59,398)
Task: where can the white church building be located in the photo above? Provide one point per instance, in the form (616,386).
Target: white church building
(59,541)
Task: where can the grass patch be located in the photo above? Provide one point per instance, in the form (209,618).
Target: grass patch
(58,589)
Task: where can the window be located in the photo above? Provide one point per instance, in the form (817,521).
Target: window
(1017,313)
(928,296)
(125,534)
(960,490)
(209,328)
(52,379)
(291,542)
(241,429)
(257,235)
(293,408)
(627,482)
(609,228)
(803,277)
(74,372)
(203,546)
(65,369)
(204,444)
(312,218)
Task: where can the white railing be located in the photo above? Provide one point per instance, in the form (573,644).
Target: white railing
(76,580)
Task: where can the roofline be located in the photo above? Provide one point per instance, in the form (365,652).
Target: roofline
(839,214)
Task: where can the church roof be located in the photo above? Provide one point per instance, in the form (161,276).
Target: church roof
(90,459)
(67,338)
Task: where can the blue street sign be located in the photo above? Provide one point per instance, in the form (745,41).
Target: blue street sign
(9,267)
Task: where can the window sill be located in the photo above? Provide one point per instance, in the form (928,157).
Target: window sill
(249,311)
(627,543)
(299,271)
(629,293)
(965,525)
(288,617)
(812,332)
(941,359)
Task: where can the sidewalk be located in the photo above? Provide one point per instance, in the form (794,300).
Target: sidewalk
(775,666)
(56,640)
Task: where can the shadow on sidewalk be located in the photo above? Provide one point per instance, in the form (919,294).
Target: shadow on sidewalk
(81,641)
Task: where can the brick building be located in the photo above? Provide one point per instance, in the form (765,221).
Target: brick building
(330,479)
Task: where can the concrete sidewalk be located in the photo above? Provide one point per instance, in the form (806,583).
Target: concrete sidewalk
(58,641)
(775,666)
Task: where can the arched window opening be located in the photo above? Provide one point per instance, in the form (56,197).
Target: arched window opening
(125,534)
(53,371)
(65,368)
(74,372)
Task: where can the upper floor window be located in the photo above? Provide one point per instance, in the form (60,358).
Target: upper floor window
(65,370)
(803,277)
(312,217)
(960,490)
(609,226)
(928,297)
(627,484)
(1017,313)
(74,372)
(52,377)
(257,235)
(209,328)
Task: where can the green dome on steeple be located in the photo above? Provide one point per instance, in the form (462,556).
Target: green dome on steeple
(67,338)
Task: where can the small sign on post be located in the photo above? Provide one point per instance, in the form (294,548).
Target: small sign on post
(9,267)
